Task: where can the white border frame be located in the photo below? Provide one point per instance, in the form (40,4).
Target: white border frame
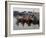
(26,31)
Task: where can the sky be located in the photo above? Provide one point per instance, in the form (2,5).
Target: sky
(26,9)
